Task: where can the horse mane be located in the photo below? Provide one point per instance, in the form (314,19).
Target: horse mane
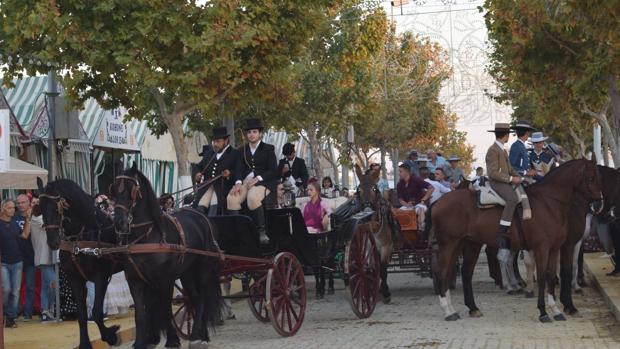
(150,198)
(81,203)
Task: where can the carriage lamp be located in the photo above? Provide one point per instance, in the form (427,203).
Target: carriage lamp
(289,195)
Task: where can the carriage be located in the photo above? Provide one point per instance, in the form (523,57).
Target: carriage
(273,276)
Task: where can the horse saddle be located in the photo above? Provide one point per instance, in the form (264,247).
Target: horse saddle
(486,197)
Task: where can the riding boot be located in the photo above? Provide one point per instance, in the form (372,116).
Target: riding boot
(259,219)
(501,238)
(212,211)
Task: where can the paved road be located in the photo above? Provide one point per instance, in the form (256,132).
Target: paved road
(414,320)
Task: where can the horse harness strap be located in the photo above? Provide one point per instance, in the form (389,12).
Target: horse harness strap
(88,247)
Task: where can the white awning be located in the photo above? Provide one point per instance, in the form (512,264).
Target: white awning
(21,175)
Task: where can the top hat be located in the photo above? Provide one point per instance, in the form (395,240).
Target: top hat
(288,149)
(523,124)
(538,137)
(501,127)
(253,124)
(219,132)
(454,158)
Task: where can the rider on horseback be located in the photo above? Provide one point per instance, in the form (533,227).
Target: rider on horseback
(519,157)
(216,160)
(502,176)
(259,170)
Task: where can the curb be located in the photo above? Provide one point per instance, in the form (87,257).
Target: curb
(608,287)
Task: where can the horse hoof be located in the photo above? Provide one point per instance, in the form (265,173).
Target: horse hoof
(515,292)
(579,292)
(475,313)
(529,294)
(522,284)
(387,299)
(545,319)
(198,345)
(453,317)
(559,317)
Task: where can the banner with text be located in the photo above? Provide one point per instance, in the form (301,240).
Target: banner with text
(114,133)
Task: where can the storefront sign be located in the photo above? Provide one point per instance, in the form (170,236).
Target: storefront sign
(114,133)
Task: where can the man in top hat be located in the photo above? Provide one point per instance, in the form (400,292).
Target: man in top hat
(454,174)
(259,176)
(501,177)
(219,159)
(542,161)
(293,167)
(519,156)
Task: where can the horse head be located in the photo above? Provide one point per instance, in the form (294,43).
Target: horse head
(134,199)
(367,190)
(590,185)
(52,206)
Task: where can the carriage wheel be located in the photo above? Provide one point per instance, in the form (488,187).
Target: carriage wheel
(256,298)
(362,267)
(183,317)
(286,294)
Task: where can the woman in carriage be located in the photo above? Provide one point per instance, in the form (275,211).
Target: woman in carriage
(316,211)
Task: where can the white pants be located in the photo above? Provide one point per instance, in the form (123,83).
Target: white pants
(209,198)
(254,195)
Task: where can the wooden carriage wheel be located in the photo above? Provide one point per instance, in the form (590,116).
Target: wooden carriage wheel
(256,297)
(286,294)
(362,268)
(183,317)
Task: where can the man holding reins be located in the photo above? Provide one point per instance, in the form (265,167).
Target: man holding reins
(220,166)
(259,170)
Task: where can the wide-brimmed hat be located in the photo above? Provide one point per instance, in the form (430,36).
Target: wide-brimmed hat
(288,149)
(253,124)
(413,153)
(454,158)
(422,158)
(523,124)
(219,132)
(538,137)
(501,127)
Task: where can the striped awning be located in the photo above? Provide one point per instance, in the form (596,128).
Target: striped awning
(91,117)
(26,99)
(139,129)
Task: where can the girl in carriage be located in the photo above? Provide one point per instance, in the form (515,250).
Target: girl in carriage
(316,212)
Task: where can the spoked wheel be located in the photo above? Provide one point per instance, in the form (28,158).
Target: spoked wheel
(362,267)
(286,294)
(256,297)
(183,317)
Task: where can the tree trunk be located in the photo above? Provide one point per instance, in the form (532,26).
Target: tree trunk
(383,168)
(579,142)
(315,150)
(329,155)
(614,136)
(605,150)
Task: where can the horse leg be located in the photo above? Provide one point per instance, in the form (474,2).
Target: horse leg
(494,269)
(551,282)
(566,275)
(530,268)
(508,277)
(320,282)
(446,257)
(542,273)
(515,267)
(166,294)
(138,292)
(227,305)
(471,252)
(108,335)
(386,295)
(330,287)
(575,268)
(79,291)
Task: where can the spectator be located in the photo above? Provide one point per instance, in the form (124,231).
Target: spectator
(453,173)
(43,260)
(166,201)
(25,246)
(435,161)
(383,184)
(440,186)
(412,162)
(327,187)
(316,212)
(10,235)
(413,192)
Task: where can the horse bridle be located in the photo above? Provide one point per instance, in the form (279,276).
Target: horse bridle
(135,196)
(61,206)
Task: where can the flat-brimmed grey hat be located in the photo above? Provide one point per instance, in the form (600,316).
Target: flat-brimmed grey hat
(538,137)
(454,158)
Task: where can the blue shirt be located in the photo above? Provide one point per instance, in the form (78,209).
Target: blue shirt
(25,245)
(9,246)
(519,158)
(440,163)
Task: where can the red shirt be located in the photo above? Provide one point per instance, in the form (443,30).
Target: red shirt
(412,190)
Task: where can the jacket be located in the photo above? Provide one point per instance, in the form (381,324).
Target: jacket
(498,165)
(263,163)
(519,158)
(298,171)
(210,166)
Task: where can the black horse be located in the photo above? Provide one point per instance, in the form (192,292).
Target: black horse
(138,219)
(70,213)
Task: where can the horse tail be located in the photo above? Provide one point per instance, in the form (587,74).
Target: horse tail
(428,224)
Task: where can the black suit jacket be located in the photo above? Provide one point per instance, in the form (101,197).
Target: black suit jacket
(298,170)
(211,167)
(263,163)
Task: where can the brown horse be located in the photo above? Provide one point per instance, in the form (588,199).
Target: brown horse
(383,232)
(469,227)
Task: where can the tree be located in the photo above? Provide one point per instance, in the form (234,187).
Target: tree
(160,59)
(559,59)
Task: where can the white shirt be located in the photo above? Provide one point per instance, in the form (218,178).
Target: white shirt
(440,189)
(499,143)
(251,174)
(219,155)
